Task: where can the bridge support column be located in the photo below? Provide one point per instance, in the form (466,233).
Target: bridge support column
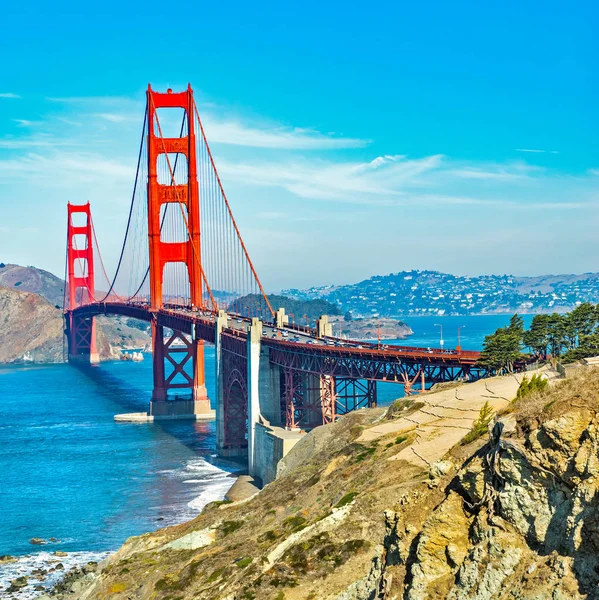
(309,400)
(199,391)
(178,351)
(281,319)
(323,327)
(253,357)
(81,339)
(221,322)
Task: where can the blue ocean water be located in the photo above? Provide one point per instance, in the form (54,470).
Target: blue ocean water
(68,471)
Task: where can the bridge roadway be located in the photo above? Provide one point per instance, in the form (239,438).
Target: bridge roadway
(298,347)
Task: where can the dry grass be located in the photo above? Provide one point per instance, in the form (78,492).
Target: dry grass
(581,390)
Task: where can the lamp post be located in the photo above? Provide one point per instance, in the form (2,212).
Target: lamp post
(441,341)
(459,347)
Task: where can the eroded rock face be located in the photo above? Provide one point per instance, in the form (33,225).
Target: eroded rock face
(30,328)
(528,529)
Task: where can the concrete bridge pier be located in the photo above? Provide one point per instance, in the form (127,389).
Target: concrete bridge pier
(268,441)
(220,323)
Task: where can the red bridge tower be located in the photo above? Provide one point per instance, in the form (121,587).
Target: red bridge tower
(177,350)
(81,331)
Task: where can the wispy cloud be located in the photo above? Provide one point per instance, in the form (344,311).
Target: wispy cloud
(9,95)
(63,168)
(33,141)
(116,117)
(537,151)
(26,122)
(436,180)
(237,133)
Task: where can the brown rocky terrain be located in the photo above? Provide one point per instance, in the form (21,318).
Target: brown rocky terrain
(31,330)
(368,509)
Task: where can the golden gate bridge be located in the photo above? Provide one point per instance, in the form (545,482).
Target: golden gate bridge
(184,268)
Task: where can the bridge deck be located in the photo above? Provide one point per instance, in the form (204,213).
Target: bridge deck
(303,350)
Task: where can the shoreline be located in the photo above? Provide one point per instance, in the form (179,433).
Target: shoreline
(46,569)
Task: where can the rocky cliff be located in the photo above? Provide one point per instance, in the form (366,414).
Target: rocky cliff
(31,330)
(354,515)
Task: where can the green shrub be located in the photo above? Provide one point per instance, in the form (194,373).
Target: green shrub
(295,523)
(244,562)
(368,452)
(481,425)
(230,526)
(215,575)
(346,499)
(401,439)
(536,384)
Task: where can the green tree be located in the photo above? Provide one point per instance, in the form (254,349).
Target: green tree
(501,350)
(537,336)
(557,328)
(516,324)
(580,323)
(348,316)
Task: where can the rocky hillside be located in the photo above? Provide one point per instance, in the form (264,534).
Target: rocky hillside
(371,508)
(31,279)
(30,328)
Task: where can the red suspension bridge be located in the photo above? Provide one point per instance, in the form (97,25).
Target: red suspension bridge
(184,268)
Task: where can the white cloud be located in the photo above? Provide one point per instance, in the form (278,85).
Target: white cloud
(115,117)
(9,95)
(537,151)
(289,138)
(66,169)
(38,141)
(26,122)
(433,180)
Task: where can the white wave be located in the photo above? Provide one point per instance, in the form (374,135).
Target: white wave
(216,482)
(201,465)
(25,565)
(215,492)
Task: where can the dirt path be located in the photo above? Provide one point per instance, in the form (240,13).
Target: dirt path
(447,416)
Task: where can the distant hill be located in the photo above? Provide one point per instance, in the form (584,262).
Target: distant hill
(31,324)
(31,279)
(31,329)
(418,293)
(311,308)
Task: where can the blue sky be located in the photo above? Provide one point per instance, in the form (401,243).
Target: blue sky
(352,139)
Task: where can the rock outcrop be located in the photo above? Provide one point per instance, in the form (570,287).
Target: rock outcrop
(513,515)
(30,328)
